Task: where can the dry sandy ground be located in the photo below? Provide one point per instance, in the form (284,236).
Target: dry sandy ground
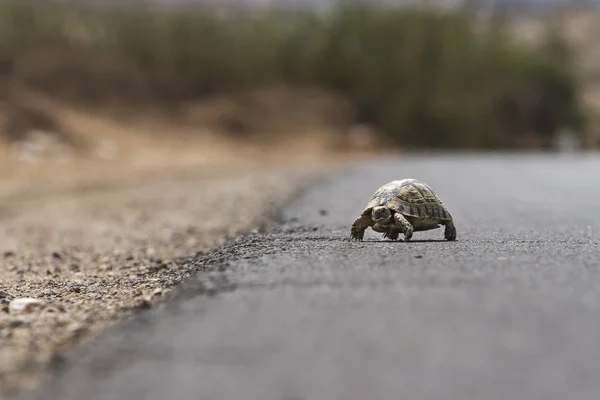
(92,239)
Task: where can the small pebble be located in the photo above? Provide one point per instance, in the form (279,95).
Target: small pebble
(144,304)
(74,267)
(25,305)
(17,323)
(5,298)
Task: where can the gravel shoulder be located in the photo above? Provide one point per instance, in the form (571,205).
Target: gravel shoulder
(91,258)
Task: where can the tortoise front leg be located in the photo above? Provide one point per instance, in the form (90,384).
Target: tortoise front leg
(359,226)
(404,226)
(450,231)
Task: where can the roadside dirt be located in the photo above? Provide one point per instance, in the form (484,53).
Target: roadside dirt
(91,237)
(90,259)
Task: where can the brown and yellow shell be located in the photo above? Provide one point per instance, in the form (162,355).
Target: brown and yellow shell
(409,197)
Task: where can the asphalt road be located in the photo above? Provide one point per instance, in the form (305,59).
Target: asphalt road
(511,310)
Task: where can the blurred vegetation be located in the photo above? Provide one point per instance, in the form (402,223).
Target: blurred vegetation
(423,76)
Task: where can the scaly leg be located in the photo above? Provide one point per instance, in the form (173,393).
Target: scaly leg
(404,226)
(359,226)
(450,231)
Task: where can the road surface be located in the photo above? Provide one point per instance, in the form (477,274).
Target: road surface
(511,310)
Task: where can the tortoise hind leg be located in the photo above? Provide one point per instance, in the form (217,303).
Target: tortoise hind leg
(359,226)
(391,234)
(404,225)
(450,231)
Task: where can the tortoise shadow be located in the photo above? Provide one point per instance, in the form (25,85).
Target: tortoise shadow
(410,241)
(343,239)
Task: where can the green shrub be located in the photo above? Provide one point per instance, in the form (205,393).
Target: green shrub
(425,77)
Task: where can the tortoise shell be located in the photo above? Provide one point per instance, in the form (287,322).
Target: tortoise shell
(410,197)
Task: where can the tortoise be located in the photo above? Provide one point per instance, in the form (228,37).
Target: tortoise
(403,206)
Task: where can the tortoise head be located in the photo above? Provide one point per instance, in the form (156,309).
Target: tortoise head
(381,214)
